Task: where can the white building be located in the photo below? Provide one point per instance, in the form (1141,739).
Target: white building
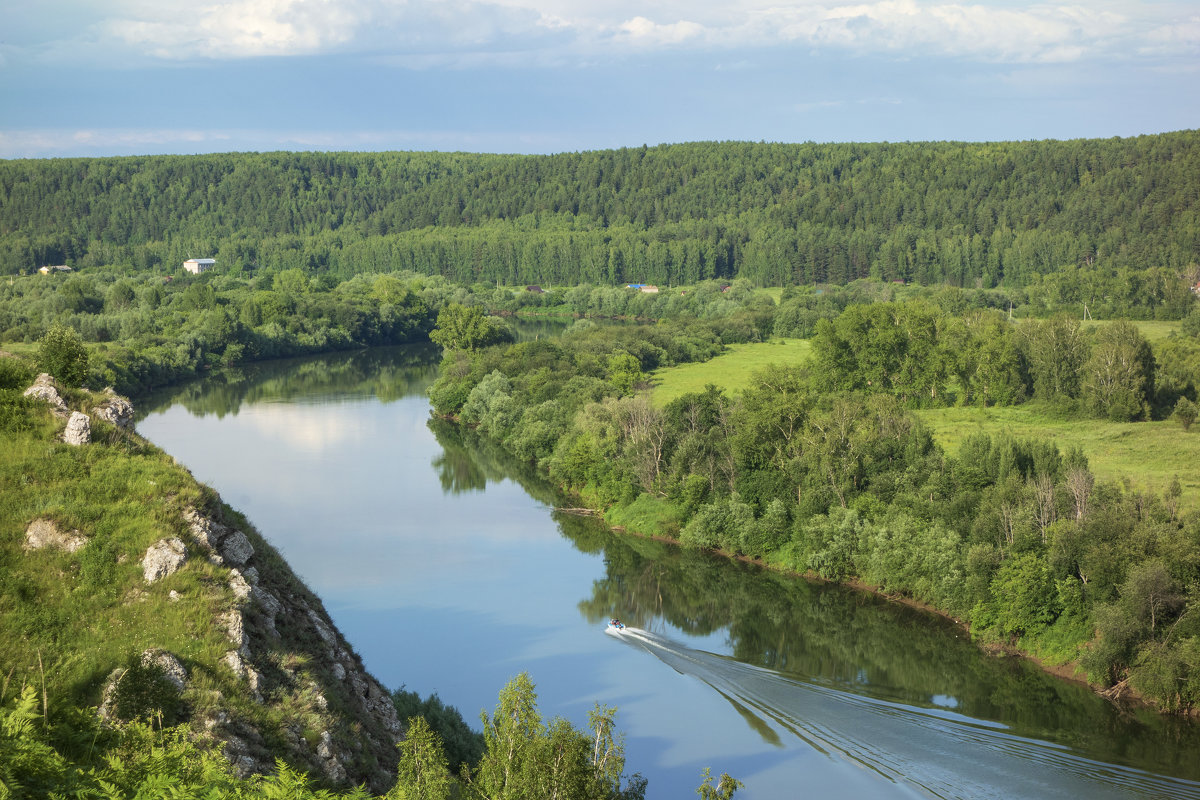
(198,265)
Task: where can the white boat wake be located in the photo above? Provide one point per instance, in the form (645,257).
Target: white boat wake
(941,753)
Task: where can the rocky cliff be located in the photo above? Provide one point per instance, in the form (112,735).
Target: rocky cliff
(260,670)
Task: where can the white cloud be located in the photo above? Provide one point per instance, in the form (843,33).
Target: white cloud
(647,33)
(241,28)
(551,31)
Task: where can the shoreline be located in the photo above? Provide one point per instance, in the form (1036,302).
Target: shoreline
(1121,695)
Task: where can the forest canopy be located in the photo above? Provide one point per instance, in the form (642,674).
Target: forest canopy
(965,214)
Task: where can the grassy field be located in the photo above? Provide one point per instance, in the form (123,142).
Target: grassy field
(1154,330)
(730,371)
(1150,454)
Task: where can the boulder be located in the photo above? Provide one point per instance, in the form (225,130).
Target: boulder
(116,409)
(207,533)
(235,630)
(79,429)
(236,548)
(172,668)
(43,533)
(163,558)
(43,388)
(239,585)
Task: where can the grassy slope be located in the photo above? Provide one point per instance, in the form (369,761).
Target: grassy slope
(1149,454)
(85,612)
(74,617)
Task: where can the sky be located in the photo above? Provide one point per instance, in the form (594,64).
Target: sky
(131,77)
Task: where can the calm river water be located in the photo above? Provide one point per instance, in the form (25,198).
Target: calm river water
(447,568)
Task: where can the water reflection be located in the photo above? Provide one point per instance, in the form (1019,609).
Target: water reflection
(385,373)
(839,642)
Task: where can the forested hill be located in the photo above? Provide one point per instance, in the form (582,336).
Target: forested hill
(961,213)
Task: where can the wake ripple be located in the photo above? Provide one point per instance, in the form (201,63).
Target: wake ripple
(944,754)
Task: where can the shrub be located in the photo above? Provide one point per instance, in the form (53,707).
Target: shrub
(62,354)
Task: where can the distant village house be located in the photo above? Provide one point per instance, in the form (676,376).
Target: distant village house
(48,270)
(198,265)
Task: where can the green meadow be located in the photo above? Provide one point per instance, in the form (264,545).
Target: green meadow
(729,371)
(1148,454)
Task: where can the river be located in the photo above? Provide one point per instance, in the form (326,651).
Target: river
(448,569)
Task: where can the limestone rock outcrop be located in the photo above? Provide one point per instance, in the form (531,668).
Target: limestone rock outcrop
(43,388)
(79,429)
(163,558)
(116,410)
(222,542)
(172,668)
(44,533)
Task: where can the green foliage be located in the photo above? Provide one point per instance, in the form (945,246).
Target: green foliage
(527,757)
(1023,598)
(143,692)
(423,772)
(1185,413)
(1119,376)
(1020,540)
(62,354)
(625,372)
(468,328)
(462,746)
(726,787)
(15,373)
(1065,217)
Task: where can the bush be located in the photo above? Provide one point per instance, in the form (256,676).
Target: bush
(15,373)
(63,355)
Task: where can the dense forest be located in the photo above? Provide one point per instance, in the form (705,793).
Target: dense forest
(963,214)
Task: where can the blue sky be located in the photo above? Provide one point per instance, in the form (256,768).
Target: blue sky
(122,77)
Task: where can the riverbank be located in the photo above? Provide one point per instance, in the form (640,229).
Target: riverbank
(1124,695)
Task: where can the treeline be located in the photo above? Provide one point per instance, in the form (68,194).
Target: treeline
(145,330)
(963,214)
(824,469)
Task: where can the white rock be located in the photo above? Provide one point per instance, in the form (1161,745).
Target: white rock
(235,629)
(44,389)
(323,630)
(43,533)
(163,558)
(117,410)
(238,585)
(173,670)
(208,534)
(236,548)
(270,603)
(79,429)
